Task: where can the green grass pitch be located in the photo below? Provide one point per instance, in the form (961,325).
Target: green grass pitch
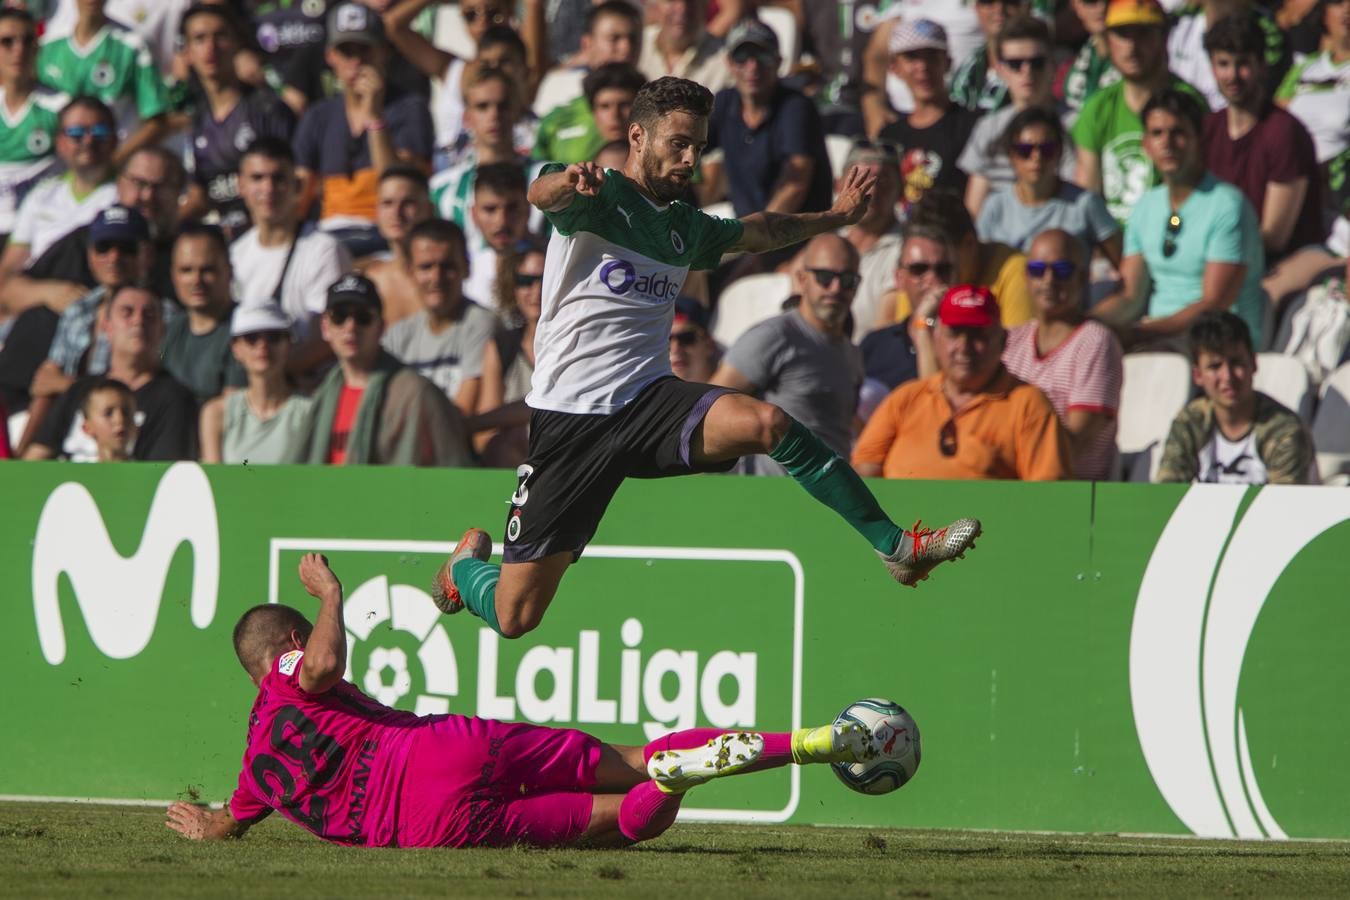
(49,850)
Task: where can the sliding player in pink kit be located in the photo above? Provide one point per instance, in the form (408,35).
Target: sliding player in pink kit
(356,772)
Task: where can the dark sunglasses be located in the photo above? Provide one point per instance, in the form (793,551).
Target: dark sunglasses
(1012,3)
(1170,239)
(1045,148)
(524,281)
(684,338)
(1061,269)
(947,438)
(826,277)
(1037,63)
(23,40)
(942,270)
(364,317)
(102,248)
(742,55)
(259,337)
(472,15)
(94,132)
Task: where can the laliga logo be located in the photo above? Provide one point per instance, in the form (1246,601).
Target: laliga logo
(120,597)
(388,672)
(1191,729)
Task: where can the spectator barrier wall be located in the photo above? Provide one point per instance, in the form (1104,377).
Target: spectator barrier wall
(1111,658)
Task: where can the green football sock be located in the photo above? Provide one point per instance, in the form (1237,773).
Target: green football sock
(833,482)
(477,583)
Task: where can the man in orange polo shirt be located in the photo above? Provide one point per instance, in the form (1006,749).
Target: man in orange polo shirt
(973,418)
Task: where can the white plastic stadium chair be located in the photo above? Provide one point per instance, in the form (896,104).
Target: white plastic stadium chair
(837,146)
(1285,379)
(1331,428)
(784,25)
(748,301)
(1155,388)
(451,34)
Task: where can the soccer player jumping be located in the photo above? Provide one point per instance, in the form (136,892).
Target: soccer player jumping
(605,404)
(355,772)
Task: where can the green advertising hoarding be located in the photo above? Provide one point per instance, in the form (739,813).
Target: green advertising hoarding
(1133,658)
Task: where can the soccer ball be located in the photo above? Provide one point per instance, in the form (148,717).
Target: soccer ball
(897,729)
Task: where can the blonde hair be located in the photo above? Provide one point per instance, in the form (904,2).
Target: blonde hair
(476,74)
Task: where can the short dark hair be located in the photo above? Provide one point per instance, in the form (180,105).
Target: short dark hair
(1032,115)
(172,162)
(944,210)
(500,178)
(263,629)
(611,76)
(1177,103)
(618,146)
(442,231)
(1021,28)
(408,173)
(272,148)
(669,94)
(1215,332)
(1237,33)
(612,8)
(19,15)
(206,231)
(502,34)
(222,12)
(94,104)
(103,383)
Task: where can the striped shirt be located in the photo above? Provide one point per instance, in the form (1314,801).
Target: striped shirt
(1083,373)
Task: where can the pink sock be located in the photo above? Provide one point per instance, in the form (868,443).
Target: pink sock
(777,751)
(647,811)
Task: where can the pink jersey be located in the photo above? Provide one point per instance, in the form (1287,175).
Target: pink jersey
(331,762)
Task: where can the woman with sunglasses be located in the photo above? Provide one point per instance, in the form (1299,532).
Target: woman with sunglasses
(1192,243)
(1039,197)
(266,422)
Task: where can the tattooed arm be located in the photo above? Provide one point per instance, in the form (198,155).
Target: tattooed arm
(769,231)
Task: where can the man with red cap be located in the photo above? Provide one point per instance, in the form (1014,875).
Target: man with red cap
(973,418)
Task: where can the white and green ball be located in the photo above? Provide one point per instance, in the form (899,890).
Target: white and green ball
(889,771)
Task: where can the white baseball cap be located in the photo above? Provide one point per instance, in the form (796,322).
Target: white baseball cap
(257,317)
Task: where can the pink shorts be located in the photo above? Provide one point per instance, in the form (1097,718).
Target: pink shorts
(474,782)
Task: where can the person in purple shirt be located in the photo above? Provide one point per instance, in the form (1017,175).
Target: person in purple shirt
(357,773)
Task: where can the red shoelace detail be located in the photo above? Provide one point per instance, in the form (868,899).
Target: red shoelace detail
(922,537)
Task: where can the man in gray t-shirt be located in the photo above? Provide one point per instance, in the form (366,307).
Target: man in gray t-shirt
(803,360)
(444,340)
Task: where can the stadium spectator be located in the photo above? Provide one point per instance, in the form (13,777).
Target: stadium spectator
(150,182)
(1316,90)
(972,419)
(343,143)
(267,421)
(977,83)
(59,203)
(281,258)
(500,216)
(1234,434)
(1192,244)
(613,35)
(1040,197)
(228,116)
(678,44)
(576,131)
(1022,58)
(927,264)
(501,428)
(877,237)
(1257,146)
(693,352)
(1108,130)
(197,345)
(370,409)
(165,411)
(770,136)
(282,31)
(612,155)
(1075,361)
(402,200)
(444,341)
(103,59)
(932,135)
(886,94)
(30,113)
(803,361)
(985,264)
(1188,55)
(839,40)
(1090,70)
(109,412)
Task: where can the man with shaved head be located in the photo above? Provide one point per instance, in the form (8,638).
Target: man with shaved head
(1073,359)
(803,361)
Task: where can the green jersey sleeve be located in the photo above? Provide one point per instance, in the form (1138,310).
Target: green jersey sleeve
(151,97)
(712,236)
(578,214)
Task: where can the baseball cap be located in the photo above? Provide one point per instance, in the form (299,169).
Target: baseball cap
(257,317)
(753,32)
(118,223)
(354,289)
(352,23)
(687,309)
(1120,13)
(921,34)
(967,306)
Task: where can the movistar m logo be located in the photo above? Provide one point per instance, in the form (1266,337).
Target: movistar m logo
(119,597)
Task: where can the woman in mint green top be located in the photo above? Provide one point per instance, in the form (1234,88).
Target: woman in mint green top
(1192,244)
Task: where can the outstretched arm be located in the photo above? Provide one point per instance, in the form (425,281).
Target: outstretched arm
(769,231)
(556,190)
(201,824)
(326,650)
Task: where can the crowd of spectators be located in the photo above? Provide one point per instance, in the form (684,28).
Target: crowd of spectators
(243,231)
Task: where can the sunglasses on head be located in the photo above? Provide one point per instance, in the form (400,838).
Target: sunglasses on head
(947,438)
(259,337)
(23,40)
(104,247)
(1061,269)
(93,132)
(524,281)
(826,277)
(684,338)
(363,316)
(942,270)
(1036,63)
(1045,148)
(1170,238)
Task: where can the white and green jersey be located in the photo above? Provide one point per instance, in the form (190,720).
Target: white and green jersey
(615,265)
(1317,92)
(116,67)
(26,146)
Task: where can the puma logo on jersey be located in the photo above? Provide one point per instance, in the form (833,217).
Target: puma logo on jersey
(627,216)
